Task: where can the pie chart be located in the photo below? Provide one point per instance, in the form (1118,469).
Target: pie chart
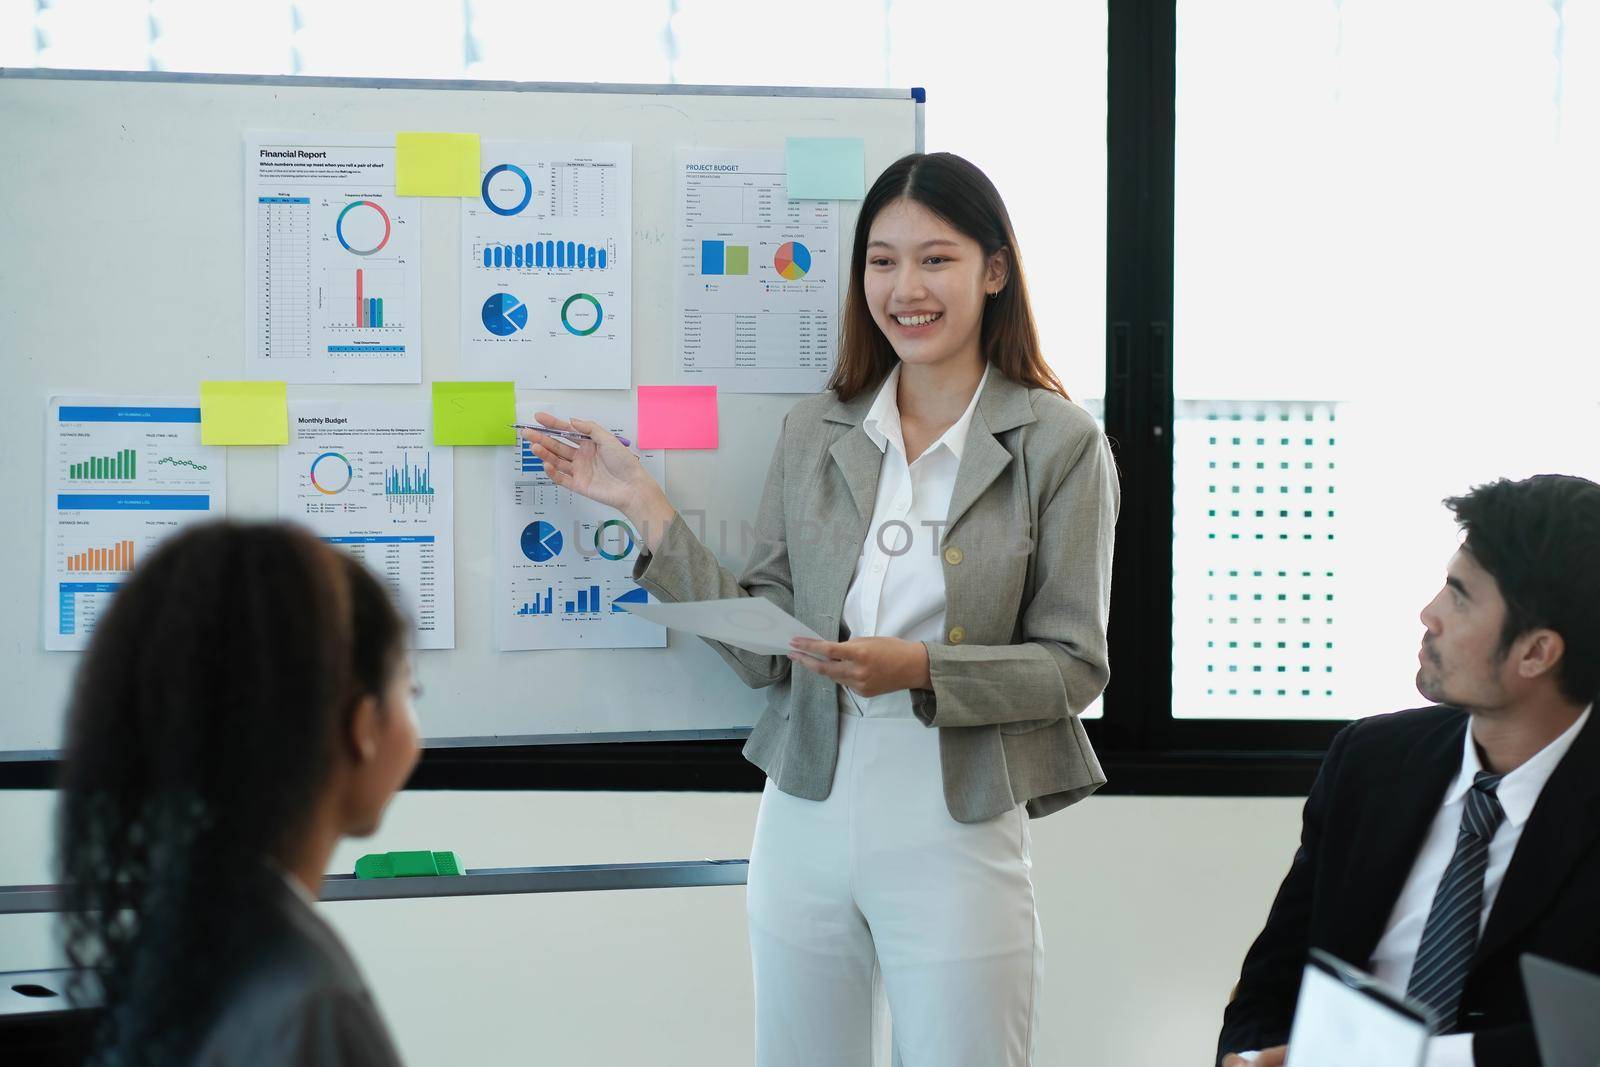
(541,542)
(793,260)
(504,314)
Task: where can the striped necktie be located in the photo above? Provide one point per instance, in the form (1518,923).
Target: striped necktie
(1450,936)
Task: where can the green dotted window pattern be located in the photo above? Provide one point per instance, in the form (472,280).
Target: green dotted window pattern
(1256,559)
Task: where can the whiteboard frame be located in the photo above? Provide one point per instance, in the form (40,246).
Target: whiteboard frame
(456,745)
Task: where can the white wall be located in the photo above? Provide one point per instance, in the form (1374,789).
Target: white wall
(1147,905)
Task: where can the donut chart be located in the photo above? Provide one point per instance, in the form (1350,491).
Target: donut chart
(614,546)
(581,314)
(358,227)
(331,473)
(493,183)
(792,261)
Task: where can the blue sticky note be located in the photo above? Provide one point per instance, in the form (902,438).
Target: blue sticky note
(827,168)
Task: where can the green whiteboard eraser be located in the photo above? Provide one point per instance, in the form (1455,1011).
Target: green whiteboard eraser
(421,864)
(412,864)
(375,865)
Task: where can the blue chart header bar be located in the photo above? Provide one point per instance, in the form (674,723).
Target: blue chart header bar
(132,502)
(79,414)
(283,200)
(90,587)
(398,539)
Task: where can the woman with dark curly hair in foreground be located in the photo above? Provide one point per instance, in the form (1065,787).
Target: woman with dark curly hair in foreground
(245,704)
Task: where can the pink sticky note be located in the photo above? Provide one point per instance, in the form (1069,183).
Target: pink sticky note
(677,416)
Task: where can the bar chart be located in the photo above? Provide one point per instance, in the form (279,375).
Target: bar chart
(369,309)
(118,558)
(122,467)
(539,605)
(718,258)
(409,484)
(587,601)
(530,463)
(546,255)
(365,298)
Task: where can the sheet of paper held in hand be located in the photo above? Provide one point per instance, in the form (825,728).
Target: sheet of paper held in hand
(752,623)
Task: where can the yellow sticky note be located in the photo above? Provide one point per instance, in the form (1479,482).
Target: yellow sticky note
(436,164)
(244,413)
(474,413)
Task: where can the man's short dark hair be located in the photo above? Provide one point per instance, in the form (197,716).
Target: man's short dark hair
(1540,540)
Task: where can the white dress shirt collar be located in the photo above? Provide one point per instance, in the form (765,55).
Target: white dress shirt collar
(1519,790)
(882,421)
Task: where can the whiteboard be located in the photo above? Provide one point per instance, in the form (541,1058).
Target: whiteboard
(121,272)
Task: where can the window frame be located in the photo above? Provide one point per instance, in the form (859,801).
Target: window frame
(1156,752)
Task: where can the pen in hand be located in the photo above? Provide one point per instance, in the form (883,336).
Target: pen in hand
(570,435)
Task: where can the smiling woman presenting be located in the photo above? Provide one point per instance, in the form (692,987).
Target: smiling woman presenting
(946,512)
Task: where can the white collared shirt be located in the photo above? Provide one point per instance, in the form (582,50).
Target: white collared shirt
(1517,792)
(898,587)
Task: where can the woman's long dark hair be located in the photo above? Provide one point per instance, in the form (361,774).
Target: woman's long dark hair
(203,726)
(963,196)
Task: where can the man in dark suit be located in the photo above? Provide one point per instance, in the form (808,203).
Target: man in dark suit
(1442,843)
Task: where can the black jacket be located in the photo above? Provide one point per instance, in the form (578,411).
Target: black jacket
(301,1003)
(1378,792)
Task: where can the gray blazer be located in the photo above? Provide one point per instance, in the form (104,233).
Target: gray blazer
(301,1002)
(1027,567)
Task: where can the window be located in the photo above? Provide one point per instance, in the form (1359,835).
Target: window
(1384,223)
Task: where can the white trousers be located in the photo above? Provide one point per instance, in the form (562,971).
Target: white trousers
(879,882)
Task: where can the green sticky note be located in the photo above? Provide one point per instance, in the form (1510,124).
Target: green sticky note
(827,168)
(436,164)
(474,413)
(244,413)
